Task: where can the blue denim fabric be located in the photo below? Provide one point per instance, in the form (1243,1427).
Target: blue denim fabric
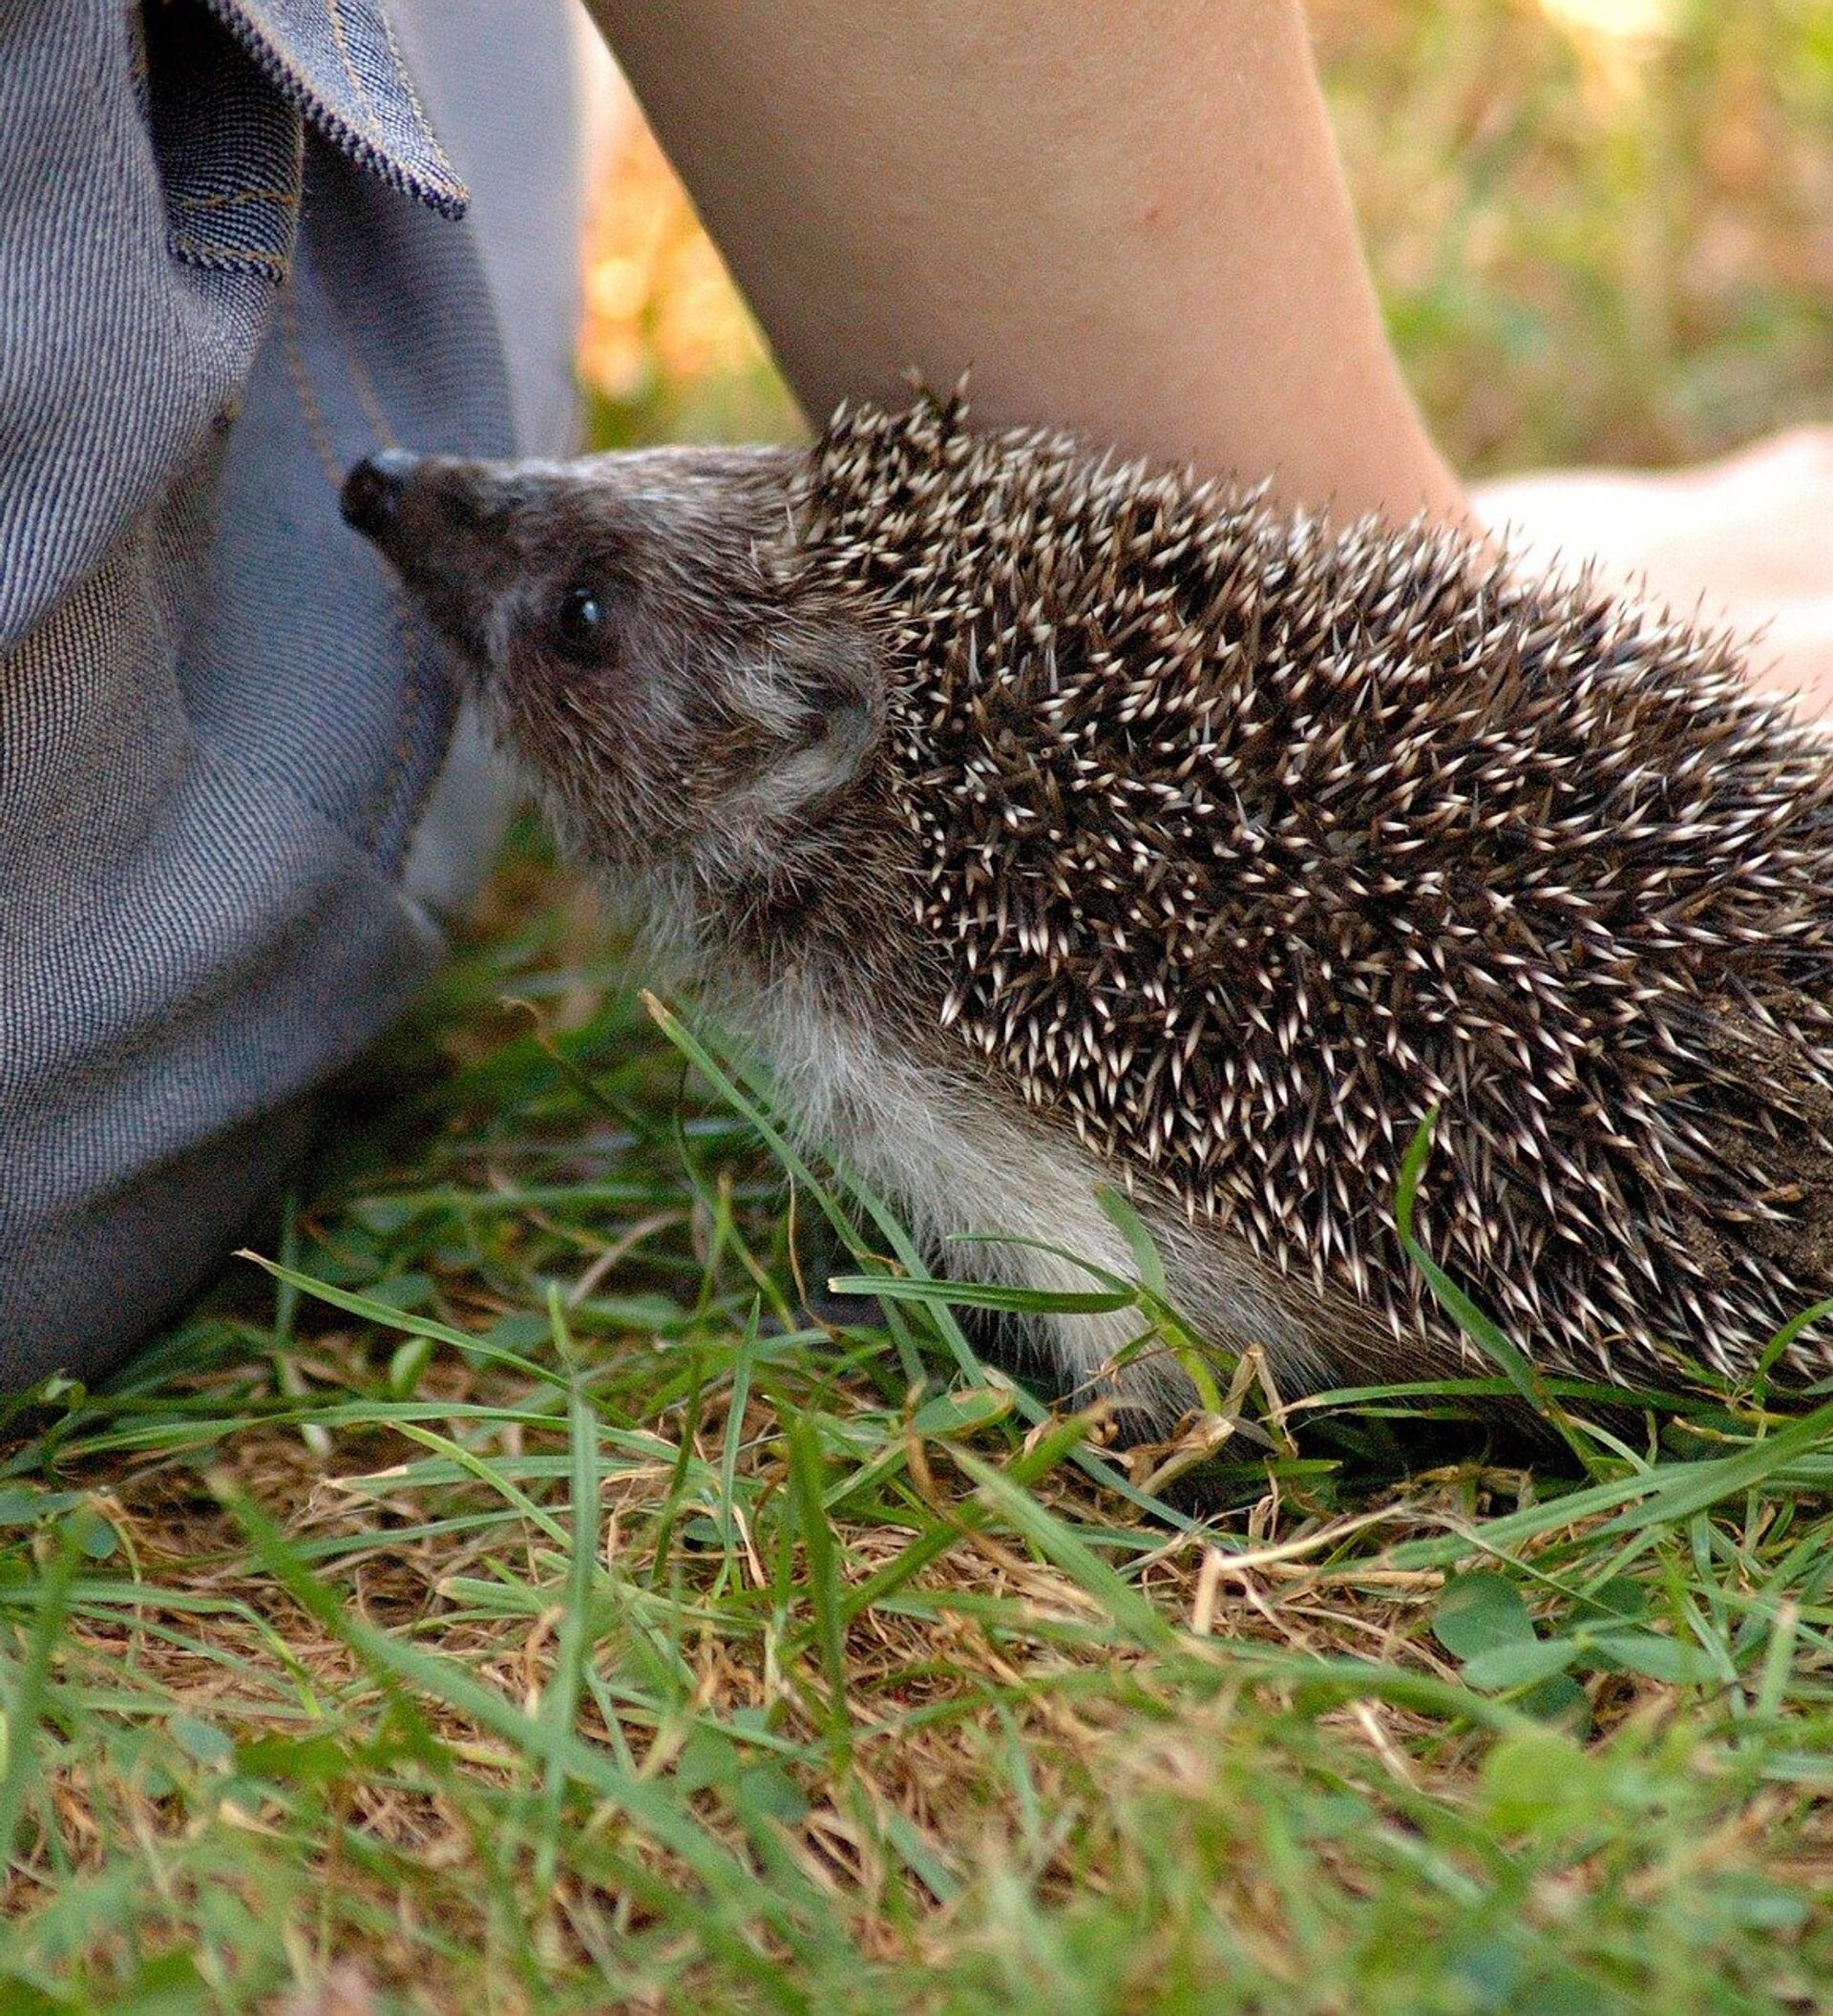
(230,266)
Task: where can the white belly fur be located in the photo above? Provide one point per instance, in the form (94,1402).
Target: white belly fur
(954,1161)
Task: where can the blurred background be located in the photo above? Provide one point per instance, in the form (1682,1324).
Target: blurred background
(1603,230)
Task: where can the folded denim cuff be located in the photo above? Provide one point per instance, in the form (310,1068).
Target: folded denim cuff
(338,62)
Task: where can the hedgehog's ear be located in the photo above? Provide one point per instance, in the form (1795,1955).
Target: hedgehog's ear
(842,707)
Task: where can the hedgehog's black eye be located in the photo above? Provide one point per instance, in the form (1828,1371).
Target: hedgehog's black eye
(582,620)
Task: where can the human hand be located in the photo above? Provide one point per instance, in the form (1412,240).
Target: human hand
(1746,541)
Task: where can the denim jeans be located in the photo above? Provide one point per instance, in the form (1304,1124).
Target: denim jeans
(243,243)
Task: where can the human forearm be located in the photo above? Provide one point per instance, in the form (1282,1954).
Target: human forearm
(1132,225)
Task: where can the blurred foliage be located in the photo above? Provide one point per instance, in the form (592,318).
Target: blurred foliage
(1603,230)
(670,351)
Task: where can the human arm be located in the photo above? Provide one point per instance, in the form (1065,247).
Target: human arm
(1130,224)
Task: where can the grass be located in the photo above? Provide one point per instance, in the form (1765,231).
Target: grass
(510,1599)
(510,1596)
(1595,246)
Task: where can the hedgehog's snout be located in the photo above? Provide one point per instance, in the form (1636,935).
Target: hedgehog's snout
(419,508)
(371,499)
(437,522)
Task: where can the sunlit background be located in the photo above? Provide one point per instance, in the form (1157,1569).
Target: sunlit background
(1603,230)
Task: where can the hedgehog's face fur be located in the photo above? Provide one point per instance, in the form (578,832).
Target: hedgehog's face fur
(685,699)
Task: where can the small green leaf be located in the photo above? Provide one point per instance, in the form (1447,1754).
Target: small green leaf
(307,1761)
(203,1742)
(93,1534)
(1622,1596)
(1336,1813)
(1529,1779)
(20,1507)
(1747,1898)
(518,1331)
(963,1413)
(406,1292)
(1658,1658)
(1560,1699)
(406,1366)
(134,1755)
(767,1792)
(706,1759)
(1486,1969)
(383,1214)
(1481,1613)
(167,1982)
(1520,1664)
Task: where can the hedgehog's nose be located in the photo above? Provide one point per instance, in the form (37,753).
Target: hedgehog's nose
(372,491)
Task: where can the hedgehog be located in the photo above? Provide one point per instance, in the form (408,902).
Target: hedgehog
(1049,821)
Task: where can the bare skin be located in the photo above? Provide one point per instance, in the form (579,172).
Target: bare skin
(1129,222)
(1133,224)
